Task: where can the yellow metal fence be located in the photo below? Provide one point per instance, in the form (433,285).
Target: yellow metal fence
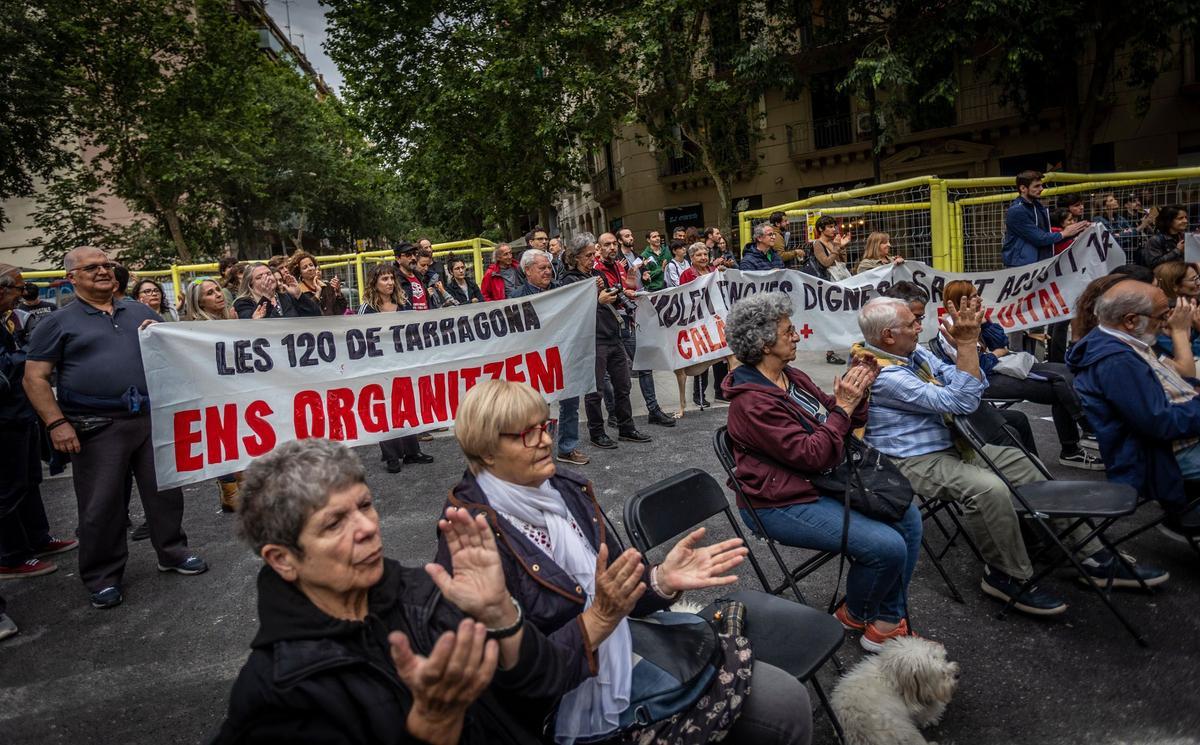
(958,224)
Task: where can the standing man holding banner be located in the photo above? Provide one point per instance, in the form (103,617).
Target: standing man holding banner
(103,421)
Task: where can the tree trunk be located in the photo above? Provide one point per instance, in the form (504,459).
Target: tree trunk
(181,246)
(1083,114)
(724,184)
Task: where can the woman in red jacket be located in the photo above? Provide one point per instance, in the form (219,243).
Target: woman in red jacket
(785,429)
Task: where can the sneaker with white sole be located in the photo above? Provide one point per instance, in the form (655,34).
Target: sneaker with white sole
(1033,601)
(30,568)
(1102,565)
(1083,460)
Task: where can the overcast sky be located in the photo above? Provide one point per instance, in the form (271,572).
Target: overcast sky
(307,18)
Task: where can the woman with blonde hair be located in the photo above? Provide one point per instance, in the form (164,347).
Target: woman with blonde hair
(328,295)
(877,253)
(264,296)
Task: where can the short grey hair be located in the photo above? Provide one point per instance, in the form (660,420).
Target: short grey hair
(1118,302)
(496,250)
(753,324)
(285,487)
(878,315)
(579,243)
(8,275)
(761,228)
(697,246)
(531,255)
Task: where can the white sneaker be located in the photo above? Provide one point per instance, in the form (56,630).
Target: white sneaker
(7,627)
(1084,460)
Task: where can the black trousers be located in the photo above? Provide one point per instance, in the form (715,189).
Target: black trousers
(99,471)
(23,525)
(611,360)
(1058,391)
(398,447)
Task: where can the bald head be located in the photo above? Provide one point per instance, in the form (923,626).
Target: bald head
(1134,308)
(82,256)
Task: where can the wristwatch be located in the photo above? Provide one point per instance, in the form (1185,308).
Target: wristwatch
(508,631)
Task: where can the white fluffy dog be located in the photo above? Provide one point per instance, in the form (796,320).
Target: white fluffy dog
(887,698)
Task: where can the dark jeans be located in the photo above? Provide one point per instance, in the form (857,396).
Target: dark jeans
(98,471)
(1059,334)
(1019,424)
(700,382)
(1058,391)
(398,447)
(645,377)
(23,525)
(611,361)
(777,711)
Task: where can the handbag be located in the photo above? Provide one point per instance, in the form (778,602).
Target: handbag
(675,659)
(1015,365)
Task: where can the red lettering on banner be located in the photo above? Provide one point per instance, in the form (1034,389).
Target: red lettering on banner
(452,390)
(340,412)
(494,369)
(721,331)
(698,341)
(681,343)
(307,406)
(220,433)
(1048,307)
(263,440)
(187,435)
(714,345)
(433,398)
(404,404)
(371,409)
(512,369)
(546,376)
(469,376)
(1062,303)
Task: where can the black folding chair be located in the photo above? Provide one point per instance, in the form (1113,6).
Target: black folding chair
(1096,504)
(791,636)
(723,447)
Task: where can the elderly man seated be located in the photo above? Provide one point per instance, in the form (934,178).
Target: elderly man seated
(1146,415)
(911,401)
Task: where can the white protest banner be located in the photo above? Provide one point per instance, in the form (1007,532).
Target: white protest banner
(224,392)
(685,325)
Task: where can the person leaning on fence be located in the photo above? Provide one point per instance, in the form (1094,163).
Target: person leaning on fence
(461,287)
(1027,235)
(385,294)
(1043,382)
(785,429)
(262,296)
(760,256)
(1170,227)
(103,421)
(1146,415)
(328,295)
(150,293)
(204,301)
(354,647)
(910,402)
(565,568)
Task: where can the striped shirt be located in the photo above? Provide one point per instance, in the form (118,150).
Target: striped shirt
(908,413)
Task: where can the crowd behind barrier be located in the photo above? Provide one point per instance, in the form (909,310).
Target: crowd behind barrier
(535,622)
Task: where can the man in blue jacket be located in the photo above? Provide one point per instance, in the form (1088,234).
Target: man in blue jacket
(1027,235)
(761,257)
(1146,415)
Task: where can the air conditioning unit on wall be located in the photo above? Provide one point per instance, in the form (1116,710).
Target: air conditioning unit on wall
(862,124)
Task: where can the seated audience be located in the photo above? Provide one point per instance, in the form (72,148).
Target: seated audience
(1047,382)
(1146,415)
(911,399)
(556,549)
(1166,244)
(785,429)
(353,646)
(261,295)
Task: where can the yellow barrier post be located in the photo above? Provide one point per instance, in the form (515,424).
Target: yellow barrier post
(477,256)
(939,233)
(745,232)
(176,279)
(358,272)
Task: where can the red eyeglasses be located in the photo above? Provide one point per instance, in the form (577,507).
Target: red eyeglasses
(534,433)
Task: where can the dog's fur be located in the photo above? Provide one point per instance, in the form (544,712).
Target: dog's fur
(681,376)
(888,697)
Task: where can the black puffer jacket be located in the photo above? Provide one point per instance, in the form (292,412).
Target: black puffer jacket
(312,678)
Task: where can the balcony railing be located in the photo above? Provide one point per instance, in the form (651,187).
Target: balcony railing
(820,134)
(604,187)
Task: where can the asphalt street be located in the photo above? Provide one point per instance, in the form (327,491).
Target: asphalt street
(159,668)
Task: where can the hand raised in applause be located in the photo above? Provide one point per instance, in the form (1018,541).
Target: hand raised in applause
(618,588)
(965,321)
(849,389)
(476,586)
(689,566)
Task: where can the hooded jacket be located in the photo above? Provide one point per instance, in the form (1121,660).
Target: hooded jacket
(1027,235)
(312,678)
(762,419)
(754,260)
(1134,421)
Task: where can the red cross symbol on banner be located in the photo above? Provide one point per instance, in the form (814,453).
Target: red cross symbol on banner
(806,332)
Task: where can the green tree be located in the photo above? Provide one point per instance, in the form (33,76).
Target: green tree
(68,214)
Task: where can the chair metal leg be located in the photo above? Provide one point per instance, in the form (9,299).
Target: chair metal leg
(833,720)
(958,598)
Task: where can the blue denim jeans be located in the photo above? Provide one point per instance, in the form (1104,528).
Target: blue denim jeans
(568,424)
(884,554)
(1189,462)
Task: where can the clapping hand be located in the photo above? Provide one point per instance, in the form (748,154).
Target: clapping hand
(619,586)
(965,320)
(289,283)
(688,567)
(335,283)
(476,586)
(849,389)
(1181,316)
(445,683)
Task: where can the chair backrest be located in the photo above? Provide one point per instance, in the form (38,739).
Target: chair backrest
(665,509)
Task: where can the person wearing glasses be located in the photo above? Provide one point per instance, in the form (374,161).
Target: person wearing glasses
(760,256)
(150,294)
(103,422)
(568,571)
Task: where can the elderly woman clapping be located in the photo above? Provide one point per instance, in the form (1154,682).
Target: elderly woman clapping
(578,586)
(348,647)
(788,431)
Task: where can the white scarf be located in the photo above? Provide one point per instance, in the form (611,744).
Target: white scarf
(595,707)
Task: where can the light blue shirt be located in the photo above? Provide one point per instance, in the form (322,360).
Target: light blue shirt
(907,414)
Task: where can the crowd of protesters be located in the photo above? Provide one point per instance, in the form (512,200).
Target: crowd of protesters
(520,629)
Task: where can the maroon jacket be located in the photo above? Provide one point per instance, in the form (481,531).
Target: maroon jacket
(762,419)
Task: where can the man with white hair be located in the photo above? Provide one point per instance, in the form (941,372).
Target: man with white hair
(503,278)
(1146,415)
(538,268)
(911,400)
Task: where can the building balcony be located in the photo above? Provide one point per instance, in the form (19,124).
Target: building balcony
(605,189)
